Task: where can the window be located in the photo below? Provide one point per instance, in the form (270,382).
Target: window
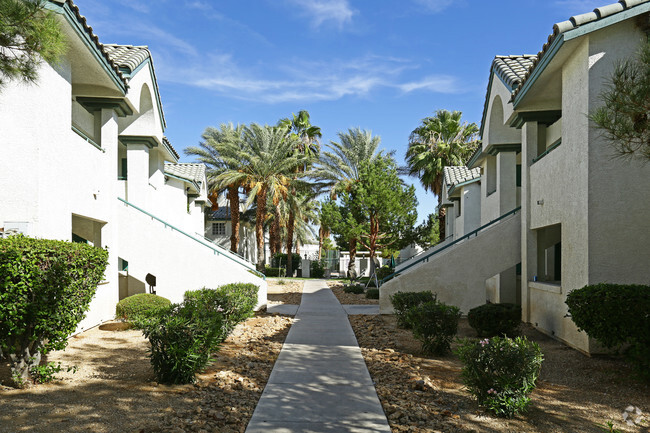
(518,174)
(549,253)
(491,175)
(218,229)
(122,264)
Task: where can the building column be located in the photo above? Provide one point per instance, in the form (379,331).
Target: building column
(529,137)
(137,156)
(507,181)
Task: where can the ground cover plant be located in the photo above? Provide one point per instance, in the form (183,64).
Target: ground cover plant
(46,289)
(490,320)
(616,315)
(501,372)
(357,289)
(372,293)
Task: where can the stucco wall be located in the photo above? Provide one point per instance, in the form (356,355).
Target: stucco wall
(619,196)
(180,264)
(458,274)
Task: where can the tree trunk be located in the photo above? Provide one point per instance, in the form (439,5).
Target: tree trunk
(21,364)
(352,272)
(290,226)
(233,193)
(259,227)
(273,234)
(297,247)
(278,229)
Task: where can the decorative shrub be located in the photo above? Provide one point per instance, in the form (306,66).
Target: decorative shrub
(615,314)
(274,272)
(435,325)
(384,271)
(490,320)
(372,294)
(317,269)
(500,372)
(182,340)
(142,304)
(357,289)
(404,301)
(234,302)
(45,292)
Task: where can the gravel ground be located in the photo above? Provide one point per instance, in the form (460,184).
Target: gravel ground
(284,291)
(425,394)
(114,390)
(349,298)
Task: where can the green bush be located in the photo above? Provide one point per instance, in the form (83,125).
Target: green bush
(357,289)
(384,271)
(142,304)
(490,320)
(404,301)
(274,272)
(182,340)
(435,325)
(372,294)
(235,302)
(500,372)
(46,289)
(317,268)
(615,315)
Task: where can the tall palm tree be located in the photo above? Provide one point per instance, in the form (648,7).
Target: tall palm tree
(267,170)
(339,168)
(210,152)
(440,141)
(306,136)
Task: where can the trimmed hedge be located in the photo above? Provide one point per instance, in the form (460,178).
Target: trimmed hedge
(490,320)
(615,314)
(279,260)
(274,272)
(142,304)
(317,268)
(46,289)
(435,325)
(356,289)
(372,294)
(404,301)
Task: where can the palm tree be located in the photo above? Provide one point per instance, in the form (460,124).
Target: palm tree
(267,168)
(306,136)
(339,168)
(210,152)
(440,141)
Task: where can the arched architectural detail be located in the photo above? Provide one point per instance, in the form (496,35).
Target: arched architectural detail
(498,131)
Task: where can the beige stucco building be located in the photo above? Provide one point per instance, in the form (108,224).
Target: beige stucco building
(583,215)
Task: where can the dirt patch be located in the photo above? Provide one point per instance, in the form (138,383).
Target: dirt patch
(114,390)
(284,291)
(425,394)
(350,298)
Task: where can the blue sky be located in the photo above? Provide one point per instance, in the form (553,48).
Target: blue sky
(382,65)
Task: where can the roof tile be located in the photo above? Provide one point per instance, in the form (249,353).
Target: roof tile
(194,172)
(457,174)
(128,56)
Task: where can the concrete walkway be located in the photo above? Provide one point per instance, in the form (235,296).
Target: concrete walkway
(320,382)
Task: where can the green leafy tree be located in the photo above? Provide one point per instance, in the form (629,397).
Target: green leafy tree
(338,169)
(210,151)
(383,208)
(28,35)
(267,167)
(427,234)
(440,141)
(624,117)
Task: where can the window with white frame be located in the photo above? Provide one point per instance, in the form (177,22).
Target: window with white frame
(218,229)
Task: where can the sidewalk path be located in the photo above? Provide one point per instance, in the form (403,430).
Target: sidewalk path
(320,382)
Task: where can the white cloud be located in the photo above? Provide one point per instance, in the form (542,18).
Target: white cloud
(435,6)
(434,83)
(319,12)
(302,81)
